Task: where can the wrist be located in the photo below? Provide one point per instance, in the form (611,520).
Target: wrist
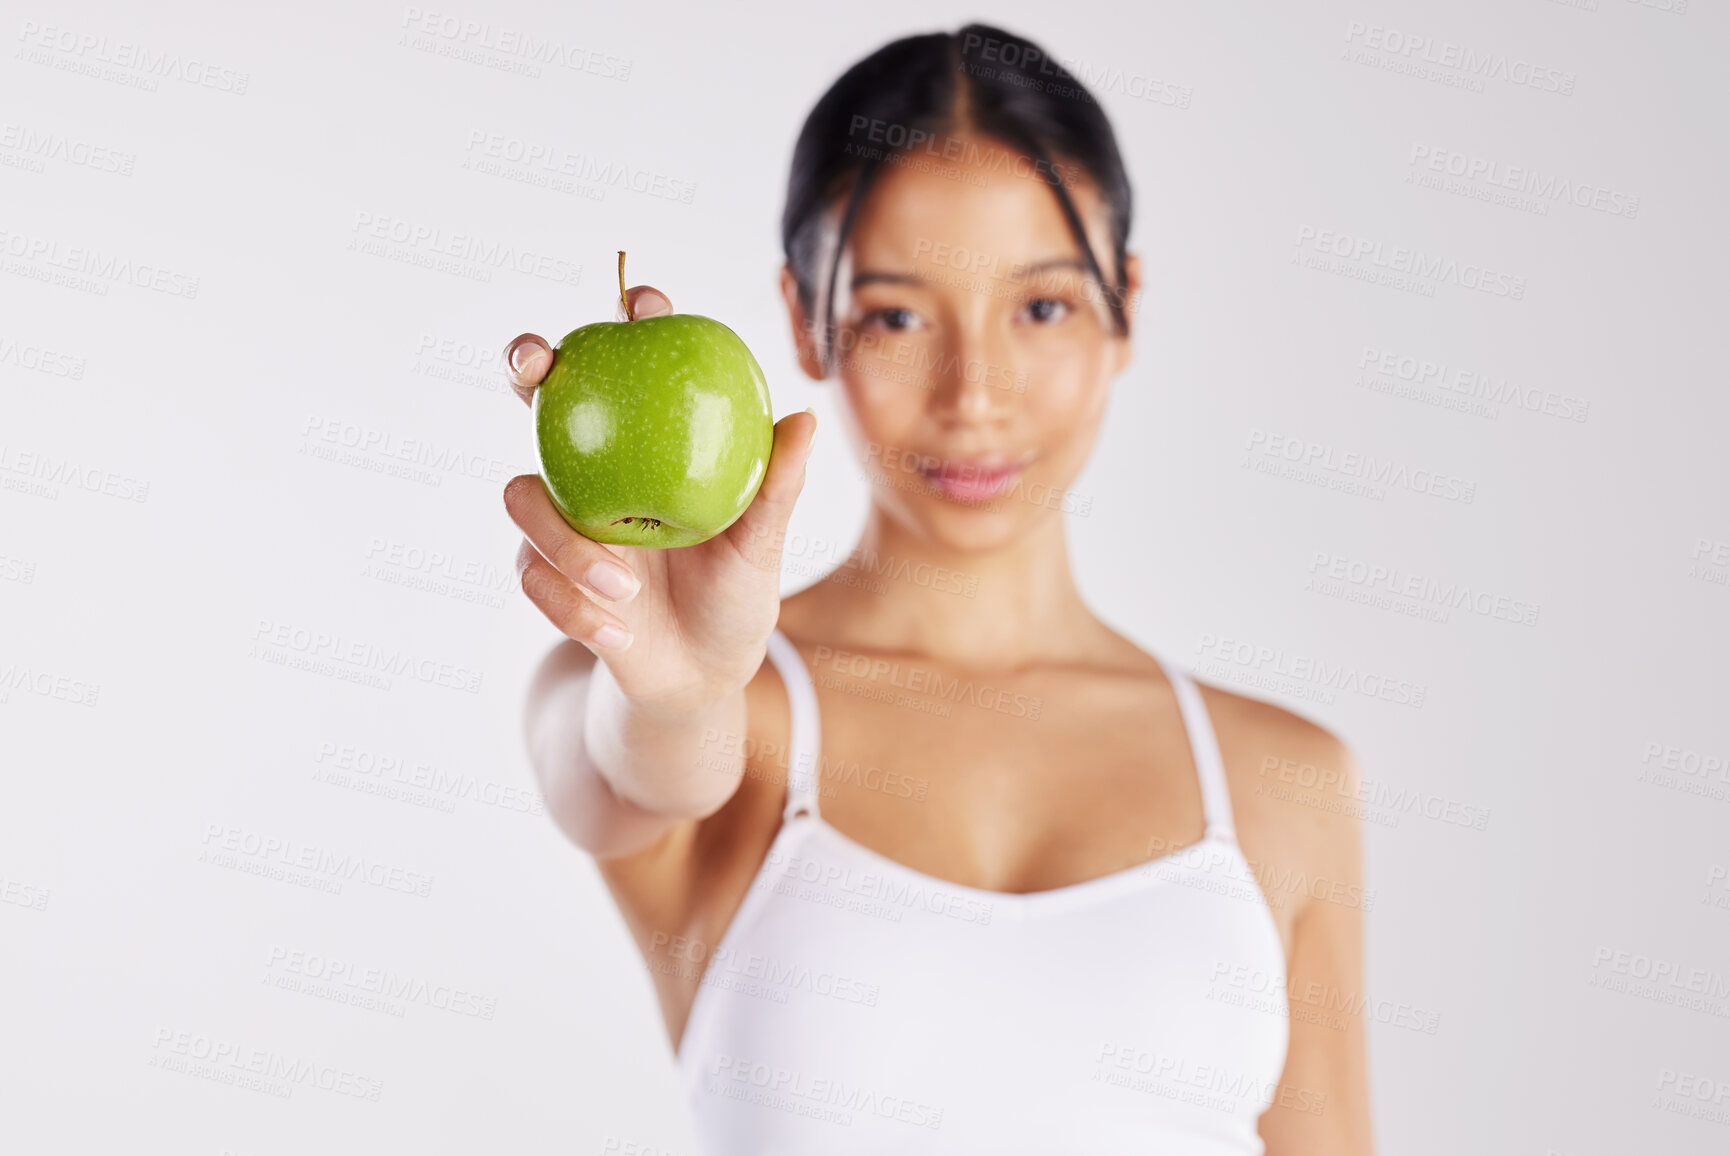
(680,759)
(706,689)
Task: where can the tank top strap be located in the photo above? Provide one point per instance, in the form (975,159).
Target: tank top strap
(1204,750)
(803,739)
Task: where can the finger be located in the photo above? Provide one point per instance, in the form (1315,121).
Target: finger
(582,560)
(761,529)
(527,359)
(576,616)
(646,301)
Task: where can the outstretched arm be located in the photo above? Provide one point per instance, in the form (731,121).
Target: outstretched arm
(1322,1103)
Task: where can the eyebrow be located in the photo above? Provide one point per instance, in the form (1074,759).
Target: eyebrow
(872,277)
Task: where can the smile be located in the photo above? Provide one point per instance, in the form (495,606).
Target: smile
(973,481)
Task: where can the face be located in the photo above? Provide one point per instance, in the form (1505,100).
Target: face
(975,350)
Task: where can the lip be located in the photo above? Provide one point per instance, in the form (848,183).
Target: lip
(975,479)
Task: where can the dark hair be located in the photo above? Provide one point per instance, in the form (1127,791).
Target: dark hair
(917,90)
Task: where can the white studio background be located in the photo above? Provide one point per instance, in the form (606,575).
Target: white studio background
(196,315)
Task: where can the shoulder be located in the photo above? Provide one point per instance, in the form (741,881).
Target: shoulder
(1261,741)
(1294,789)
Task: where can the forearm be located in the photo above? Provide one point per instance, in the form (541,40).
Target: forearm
(615,775)
(668,763)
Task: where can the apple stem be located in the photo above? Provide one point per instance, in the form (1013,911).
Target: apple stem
(623,299)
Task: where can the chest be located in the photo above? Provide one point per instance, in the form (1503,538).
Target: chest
(1103,1004)
(1011,784)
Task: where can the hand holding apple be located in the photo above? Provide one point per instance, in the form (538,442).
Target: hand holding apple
(652,431)
(682,626)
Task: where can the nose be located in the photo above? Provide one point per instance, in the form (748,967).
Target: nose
(968,383)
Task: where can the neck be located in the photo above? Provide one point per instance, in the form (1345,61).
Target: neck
(998,608)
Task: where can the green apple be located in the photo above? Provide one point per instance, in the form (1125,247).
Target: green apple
(654,432)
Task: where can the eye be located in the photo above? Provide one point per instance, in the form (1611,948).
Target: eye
(1046,310)
(895,320)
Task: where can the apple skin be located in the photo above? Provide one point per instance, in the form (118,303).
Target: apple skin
(655,432)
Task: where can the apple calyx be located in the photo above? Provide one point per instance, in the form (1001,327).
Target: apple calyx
(623,299)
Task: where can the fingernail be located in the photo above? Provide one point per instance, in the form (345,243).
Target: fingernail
(525,355)
(613,581)
(812,410)
(610,637)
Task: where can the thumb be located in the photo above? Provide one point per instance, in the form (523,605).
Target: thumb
(760,531)
(646,301)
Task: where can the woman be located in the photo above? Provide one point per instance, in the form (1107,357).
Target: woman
(959,868)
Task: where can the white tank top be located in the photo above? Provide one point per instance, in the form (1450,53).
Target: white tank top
(855,1005)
